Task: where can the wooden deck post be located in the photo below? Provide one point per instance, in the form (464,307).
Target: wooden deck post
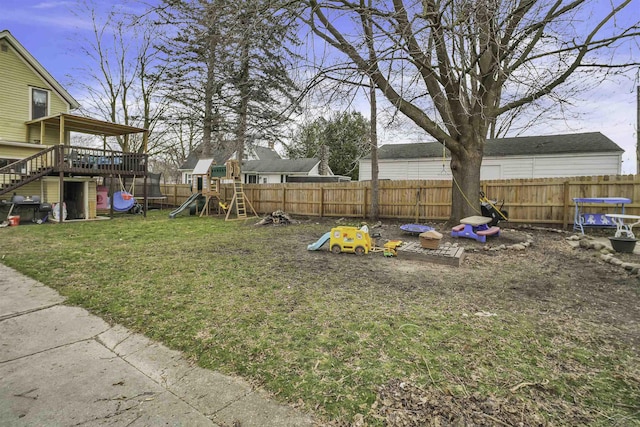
(111,192)
(61,129)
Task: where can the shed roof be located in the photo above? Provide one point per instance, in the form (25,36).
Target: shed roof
(591,142)
(202,167)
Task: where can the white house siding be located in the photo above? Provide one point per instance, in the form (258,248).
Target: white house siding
(510,168)
(277,178)
(582,165)
(514,167)
(270,178)
(406,169)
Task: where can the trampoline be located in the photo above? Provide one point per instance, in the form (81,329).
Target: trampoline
(415,228)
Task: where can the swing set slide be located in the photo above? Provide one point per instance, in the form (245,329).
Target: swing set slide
(191,200)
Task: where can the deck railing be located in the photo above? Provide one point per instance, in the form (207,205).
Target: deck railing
(71,159)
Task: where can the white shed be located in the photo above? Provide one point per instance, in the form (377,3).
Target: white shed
(582,154)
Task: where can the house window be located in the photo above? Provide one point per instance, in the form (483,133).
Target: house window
(39,103)
(252,179)
(264,180)
(188,178)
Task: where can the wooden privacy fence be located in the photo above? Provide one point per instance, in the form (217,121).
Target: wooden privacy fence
(547,201)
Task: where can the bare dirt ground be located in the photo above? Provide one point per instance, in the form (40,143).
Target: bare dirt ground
(551,280)
(592,289)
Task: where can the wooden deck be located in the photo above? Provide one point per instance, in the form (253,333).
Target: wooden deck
(65,160)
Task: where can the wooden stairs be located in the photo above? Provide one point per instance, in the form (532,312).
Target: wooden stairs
(21,172)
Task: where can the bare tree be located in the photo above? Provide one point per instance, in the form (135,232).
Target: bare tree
(229,60)
(456,68)
(195,52)
(121,80)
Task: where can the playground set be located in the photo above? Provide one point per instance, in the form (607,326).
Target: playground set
(205,189)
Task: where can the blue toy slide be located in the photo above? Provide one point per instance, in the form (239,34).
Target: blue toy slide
(321,241)
(185,205)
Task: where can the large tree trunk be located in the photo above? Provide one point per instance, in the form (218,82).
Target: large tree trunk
(465,167)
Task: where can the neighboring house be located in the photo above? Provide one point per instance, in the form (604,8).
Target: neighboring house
(277,170)
(35,134)
(261,165)
(581,154)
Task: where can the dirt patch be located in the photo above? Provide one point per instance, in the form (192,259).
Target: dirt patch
(548,278)
(554,286)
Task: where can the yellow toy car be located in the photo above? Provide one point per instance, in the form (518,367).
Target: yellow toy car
(390,248)
(350,239)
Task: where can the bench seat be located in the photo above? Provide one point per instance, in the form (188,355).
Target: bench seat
(458,227)
(596,220)
(489,231)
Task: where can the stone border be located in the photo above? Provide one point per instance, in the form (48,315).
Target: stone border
(515,247)
(606,254)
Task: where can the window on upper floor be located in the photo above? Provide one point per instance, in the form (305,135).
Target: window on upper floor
(39,103)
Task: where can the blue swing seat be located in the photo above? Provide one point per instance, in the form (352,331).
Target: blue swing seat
(123,201)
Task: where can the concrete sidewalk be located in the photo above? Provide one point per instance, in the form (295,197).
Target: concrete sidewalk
(61,366)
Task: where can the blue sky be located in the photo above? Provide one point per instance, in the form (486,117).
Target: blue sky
(52,33)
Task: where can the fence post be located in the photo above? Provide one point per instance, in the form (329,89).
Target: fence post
(565,209)
(321,201)
(284,197)
(418,204)
(364,202)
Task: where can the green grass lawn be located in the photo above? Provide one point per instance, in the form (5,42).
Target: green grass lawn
(329,332)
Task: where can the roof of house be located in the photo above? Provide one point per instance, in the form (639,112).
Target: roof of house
(279,166)
(221,156)
(592,142)
(264,153)
(38,68)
